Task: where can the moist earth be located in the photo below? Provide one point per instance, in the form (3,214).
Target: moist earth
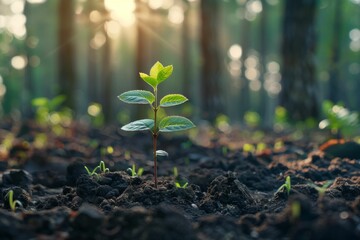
(231,193)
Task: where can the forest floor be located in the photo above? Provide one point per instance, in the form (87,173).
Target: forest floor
(231,193)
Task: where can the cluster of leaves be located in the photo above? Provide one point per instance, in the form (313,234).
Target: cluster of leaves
(339,119)
(49,112)
(158,74)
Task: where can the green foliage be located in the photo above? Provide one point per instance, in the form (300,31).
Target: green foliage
(339,119)
(280,118)
(49,112)
(254,149)
(252,119)
(286,186)
(158,74)
(100,168)
(12,202)
(135,173)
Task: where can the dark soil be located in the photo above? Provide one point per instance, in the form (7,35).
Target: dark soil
(231,194)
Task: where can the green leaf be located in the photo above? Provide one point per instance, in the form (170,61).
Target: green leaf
(149,80)
(56,102)
(155,69)
(139,125)
(172,100)
(164,73)
(137,97)
(175,123)
(39,102)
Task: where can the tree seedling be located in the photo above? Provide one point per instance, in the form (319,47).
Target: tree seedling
(135,173)
(12,202)
(286,186)
(321,190)
(179,185)
(158,74)
(101,167)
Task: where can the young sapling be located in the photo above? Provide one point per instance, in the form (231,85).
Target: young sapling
(286,186)
(135,173)
(12,202)
(158,74)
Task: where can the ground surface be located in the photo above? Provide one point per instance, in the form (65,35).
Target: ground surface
(231,193)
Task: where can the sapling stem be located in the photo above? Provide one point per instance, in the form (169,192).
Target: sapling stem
(155,135)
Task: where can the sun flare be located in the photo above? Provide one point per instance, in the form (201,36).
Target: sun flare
(122,11)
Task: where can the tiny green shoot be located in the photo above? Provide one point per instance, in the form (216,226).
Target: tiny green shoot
(158,74)
(12,202)
(179,185)
(101,167)
(321,190)
(135,173)
(286,186)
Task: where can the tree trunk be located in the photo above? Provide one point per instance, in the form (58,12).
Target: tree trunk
(141,56)
(299,93)
(244,103)
(67,77)
(264,99)
(185,57)
(29,78)
(92,75)
(106,75)
(211,60)
(336,86)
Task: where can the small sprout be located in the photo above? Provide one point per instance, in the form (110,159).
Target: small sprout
(178,185)
(101,167)
(286,186)
(135,173)
(321,190)
(93,172)
(158,74)
(12,202)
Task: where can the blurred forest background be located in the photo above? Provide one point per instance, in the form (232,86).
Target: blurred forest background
(239,59)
